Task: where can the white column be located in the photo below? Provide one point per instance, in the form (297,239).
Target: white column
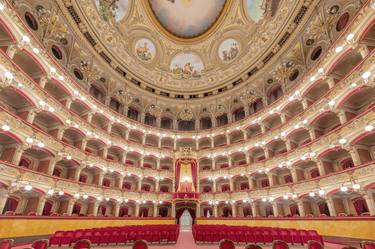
(275,209)
(136,214)
(254,210)
(321,168)
(155,210)
(40,207)
(3,200)
(173,210)
(71,203)
(234,211)
(331,207)
(116,212)
(301,208)
(215,211)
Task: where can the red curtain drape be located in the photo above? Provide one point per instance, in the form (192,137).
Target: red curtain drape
(322,207)
(124,211)
(294,209)
(47,208)
(178,166)
(360,206)
(193,172)
(11,204)
(76,209)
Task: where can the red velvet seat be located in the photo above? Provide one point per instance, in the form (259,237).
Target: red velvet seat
(258,237)
(286,236)
(279,244)
(6,244)
(249,236)
(226,244)
(313,235)
(40,244)
(267,236)
(296,237)
(82,244)
(276,234)
(140,244)
(368,245)
(312,244)
(78,235)
(304,236)
(252,246)
(55,239)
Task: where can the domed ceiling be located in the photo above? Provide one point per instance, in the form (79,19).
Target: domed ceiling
(187,49)
(187,18)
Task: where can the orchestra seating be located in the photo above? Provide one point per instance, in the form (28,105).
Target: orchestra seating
(117,235)
(246,234)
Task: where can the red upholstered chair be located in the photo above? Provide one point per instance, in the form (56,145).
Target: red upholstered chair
(252,246)
(226,244)
(313,235)
(40,244)
(55,239)
(140,244)
(296,237)
(6,244)
(82,244)
(286,236)
(258,237)
(279,244)
(313,244)
(368,245)
(304,236)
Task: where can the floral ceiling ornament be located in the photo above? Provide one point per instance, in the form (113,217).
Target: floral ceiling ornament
(283,71)
(155,110)
(90,72)
(217,110)
(124,97)
(248,96)
(186,114)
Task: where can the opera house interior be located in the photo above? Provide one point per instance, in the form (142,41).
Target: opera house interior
(187,124)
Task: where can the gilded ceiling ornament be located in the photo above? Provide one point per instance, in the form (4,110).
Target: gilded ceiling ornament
(186,114)
(283,71)
(51,23)
(124,97)
(248,96)
(217,110)
(90,72)
(155,110)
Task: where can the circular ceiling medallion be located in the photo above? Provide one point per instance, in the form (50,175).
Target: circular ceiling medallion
(145,49)
(187,18)
(228,50)
(186,66)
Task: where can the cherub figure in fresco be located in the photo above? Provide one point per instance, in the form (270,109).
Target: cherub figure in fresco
(188,68)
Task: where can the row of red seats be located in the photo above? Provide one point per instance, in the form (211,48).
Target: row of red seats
(245,234)
(118,235)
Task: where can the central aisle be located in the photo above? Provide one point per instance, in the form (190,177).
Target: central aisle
(186,241)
